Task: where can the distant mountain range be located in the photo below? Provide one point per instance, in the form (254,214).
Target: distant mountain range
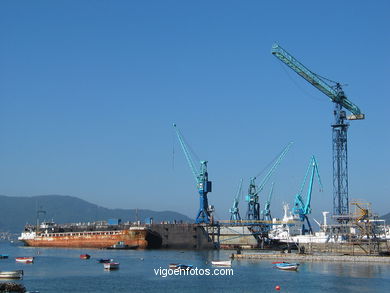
(15,212)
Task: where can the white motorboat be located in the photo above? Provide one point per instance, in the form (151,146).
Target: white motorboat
(222,263)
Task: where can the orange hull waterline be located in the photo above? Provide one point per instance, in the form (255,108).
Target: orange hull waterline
(134,237)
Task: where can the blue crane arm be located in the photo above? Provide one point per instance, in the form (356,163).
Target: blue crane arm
(270,193)
(234,211)
(273,168)
(187,154)
(335,94)
(268,202)
(239,191)
(237,197)
(299,206)
(314,171)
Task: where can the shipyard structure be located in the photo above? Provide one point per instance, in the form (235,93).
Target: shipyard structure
(363,234)
(352,229)
(113,234)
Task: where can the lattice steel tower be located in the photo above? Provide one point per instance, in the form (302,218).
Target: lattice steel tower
(340,128)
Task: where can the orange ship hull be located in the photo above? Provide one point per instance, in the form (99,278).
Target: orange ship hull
(95,239)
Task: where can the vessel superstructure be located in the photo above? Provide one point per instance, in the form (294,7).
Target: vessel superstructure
(291,230)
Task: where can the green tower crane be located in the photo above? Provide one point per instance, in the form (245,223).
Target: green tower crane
(339,138)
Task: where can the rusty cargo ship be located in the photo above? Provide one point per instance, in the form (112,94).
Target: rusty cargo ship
(90,235)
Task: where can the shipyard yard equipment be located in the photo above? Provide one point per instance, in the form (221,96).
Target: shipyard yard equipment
(339,138)
(234,211)
(202,181)
(253,212)
(301,207)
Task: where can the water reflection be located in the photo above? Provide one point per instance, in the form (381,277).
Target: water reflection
(353,270)
(61,270)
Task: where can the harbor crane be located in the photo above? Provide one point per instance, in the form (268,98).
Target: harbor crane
(234,211)
(253,212)
(339,134)
(202,181)
(266,212)
(302,208)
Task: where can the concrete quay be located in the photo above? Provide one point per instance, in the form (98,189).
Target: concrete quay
(312,257)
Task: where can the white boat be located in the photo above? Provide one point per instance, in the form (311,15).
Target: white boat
(221,263)
(18,274)
(111,266)
(286,266)
(290,230)
(29,259)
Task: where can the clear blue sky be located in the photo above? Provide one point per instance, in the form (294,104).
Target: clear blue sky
(89,91)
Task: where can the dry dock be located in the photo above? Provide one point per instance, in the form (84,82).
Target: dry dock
(312,257)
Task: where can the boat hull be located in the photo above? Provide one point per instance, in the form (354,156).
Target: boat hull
(141,238)
(221,263)
(111,266)
(287,266)
(25,259)
(182,267)
(290,268)
(11,274)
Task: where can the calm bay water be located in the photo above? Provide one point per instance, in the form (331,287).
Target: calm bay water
(61,270)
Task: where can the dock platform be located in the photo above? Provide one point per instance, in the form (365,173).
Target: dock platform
(312,257)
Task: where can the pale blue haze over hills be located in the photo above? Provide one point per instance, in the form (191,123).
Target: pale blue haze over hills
(89,91)
(16,212)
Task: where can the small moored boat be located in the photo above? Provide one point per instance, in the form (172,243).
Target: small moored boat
(18,274)
(85,256)
(222,263)
(111,266)
(3,256)
(28,259)
(287,266)
(178,266)
(105,260)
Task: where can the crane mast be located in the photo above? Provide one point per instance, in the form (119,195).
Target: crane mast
(202,182)
(253,211)
(339,128)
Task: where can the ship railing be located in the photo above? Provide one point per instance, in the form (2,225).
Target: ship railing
(256,222)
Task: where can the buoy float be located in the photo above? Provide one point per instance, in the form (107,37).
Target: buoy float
(277,287)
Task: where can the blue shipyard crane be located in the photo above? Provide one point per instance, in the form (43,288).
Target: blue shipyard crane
(301,207)
(253,212)
(202,181)
(339,134)
(266,212)
(234,211)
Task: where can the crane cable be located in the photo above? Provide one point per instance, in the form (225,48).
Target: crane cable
(298,86)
